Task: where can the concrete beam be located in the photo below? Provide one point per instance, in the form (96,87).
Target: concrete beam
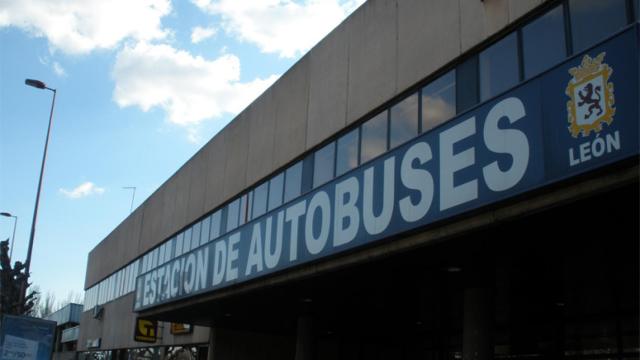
(291,97)
(422,52)
(372,57)
(328,74)
(216,155)
(261,137)
(237,142)
(197,183)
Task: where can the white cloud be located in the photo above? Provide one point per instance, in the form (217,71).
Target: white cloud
(284,27)
(58,69)
(83,190)
(188,88)
(199,34)
(55,66)
(80,26)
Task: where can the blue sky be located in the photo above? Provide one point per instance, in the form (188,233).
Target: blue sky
(142,85)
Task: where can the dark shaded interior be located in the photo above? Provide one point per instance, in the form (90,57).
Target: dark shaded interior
(560,283)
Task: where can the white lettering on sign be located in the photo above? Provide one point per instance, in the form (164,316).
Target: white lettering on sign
(346,211)
(17,348)
(372,223)
(506,141)
(386,197)
(594,149)
(416,179)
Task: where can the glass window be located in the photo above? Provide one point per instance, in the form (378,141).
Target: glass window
(216,222)
(276,188)
(244,211)
(168,255)
(499,67)
(154,258)
(347,157)
(404,121)
(543,42)
(260,199)
(195,237)
(323,164)
(178,251)
(636,6)
(206,228)
(186,245)
(293,182)
(439,101)
(162,248)
(233,211)
(249,207)
(374,137)
(593,20)
(467,95)
(307,173)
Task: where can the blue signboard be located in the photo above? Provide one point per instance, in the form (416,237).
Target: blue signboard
(26,338)
(579,116)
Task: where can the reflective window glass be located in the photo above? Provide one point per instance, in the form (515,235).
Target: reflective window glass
(206,228)
(178,250)
(593,20)
(186,245)
(543,42)
(293,182)
(168,255)
(276,190)
(347,148)
(323,164)
(216,221)
(260,200)
(404,121)
(244,211)
(195,236)
(307,173)
(499,67)
(162,248)
(233,211)
(467,95)
(439,101)
(154,258)
(374,137)
(249,207)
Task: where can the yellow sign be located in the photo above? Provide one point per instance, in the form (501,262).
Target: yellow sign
(181,329)
(146,330)
(591,94)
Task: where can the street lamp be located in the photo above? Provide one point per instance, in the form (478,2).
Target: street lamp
(15,224)
(39,85)
(132,197)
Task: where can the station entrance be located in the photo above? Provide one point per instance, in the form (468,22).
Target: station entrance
(561,282)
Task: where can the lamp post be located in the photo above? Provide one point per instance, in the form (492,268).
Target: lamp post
(39,85)
(15,224)
(132,197)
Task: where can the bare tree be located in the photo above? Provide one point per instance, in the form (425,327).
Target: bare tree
(73,297)
(14,283)
(46,305)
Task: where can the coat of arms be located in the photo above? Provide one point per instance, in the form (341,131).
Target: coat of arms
(591,96)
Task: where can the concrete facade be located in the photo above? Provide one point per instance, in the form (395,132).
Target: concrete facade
(385,49)
(340,80)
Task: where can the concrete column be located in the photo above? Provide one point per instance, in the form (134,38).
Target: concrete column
(304,338)
(162,353)
(479,314)
(212,344)
(120,354)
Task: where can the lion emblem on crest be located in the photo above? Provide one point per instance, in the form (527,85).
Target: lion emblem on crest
(591,95)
